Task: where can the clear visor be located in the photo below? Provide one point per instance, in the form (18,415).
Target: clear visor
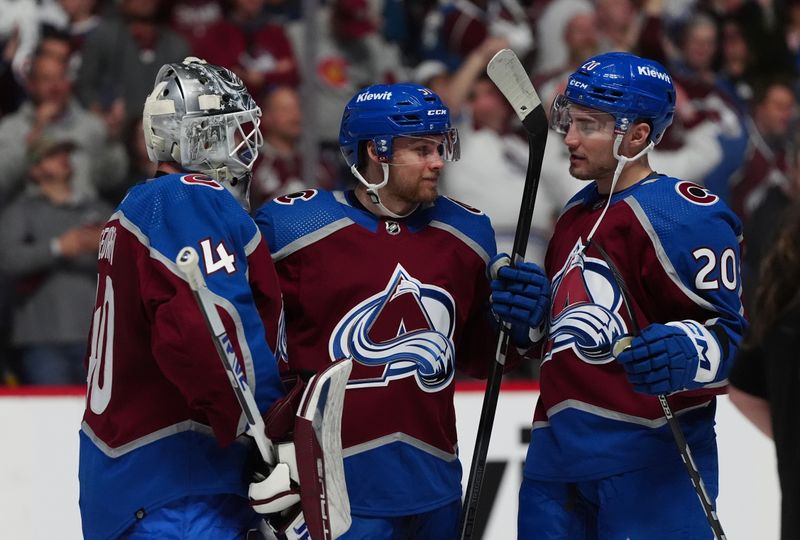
(231,140)
(445,145)
(588,122)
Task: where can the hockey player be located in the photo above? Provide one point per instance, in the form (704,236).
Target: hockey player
(162,450)
(393,276)
(634,249)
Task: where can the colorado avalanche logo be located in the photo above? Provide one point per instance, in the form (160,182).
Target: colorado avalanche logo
(407,327)
(585,309)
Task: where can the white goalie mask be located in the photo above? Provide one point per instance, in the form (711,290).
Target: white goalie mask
(201,116)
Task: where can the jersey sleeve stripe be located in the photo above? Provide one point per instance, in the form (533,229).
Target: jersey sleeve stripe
(661,253)
(464,238)
(310,238)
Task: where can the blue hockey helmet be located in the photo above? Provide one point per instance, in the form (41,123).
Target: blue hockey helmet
(381,112)
(627,87)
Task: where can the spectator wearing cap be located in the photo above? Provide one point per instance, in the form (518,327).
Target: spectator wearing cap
(48,247)
(53,111)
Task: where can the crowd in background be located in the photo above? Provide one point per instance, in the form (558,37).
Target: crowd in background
(74,75)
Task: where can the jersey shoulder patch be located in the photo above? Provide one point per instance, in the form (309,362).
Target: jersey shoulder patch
(289,218)
(685,221)
(676,206)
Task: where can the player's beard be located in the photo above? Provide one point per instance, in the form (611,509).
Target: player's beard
(591,173)
(425,190)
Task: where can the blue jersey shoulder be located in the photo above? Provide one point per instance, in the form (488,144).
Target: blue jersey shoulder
(291,217)
(465,221)
(682,210)
(181,209)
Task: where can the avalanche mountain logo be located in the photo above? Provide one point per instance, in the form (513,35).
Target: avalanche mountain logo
(407,328)
(585,310)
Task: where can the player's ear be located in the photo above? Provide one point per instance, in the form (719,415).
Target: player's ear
(371,152)
(639,133)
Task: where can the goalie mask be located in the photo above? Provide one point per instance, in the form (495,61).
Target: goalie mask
(202,117)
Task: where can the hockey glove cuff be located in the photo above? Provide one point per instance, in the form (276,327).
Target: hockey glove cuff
(667,358)
(520,297)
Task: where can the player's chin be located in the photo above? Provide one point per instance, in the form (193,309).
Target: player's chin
(428,191)
(580,173)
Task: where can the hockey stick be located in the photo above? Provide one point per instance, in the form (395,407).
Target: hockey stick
(188,263)
(511,79)
(677,433)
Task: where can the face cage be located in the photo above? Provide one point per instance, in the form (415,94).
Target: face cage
(561,118)
(210,142)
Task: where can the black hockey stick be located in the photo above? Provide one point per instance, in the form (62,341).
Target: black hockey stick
(510,77)
(677,433)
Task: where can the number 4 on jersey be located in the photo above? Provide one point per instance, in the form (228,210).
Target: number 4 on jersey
(226,260)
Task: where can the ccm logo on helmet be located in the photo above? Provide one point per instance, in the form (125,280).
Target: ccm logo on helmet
(437,112)
(647,70)
(578,84)
(372,96)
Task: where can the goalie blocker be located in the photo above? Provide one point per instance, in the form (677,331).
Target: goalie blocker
(309,454)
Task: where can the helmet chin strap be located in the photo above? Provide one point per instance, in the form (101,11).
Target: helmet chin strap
(372,192)
(621,162)
(225,176)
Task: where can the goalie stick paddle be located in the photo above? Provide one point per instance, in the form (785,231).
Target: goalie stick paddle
(677,433)
(510,77)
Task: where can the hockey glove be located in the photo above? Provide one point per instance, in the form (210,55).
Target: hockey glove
(276,488)
(667,358)
(279,489)
(520,296)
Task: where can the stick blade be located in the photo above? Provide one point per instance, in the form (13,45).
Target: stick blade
(510,76)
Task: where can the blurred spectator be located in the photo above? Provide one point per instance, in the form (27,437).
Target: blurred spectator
(56,44)
(698,47)
(735,72)
(454,29)
(48,244)
(580,37)
(552,52)
(619,23)
(763,25)
(193,19)
(120,58)
(433,74)
(490,174)
(51,109)
(351,54)
(19,24)
(769,147)
(78,19)
(11,92)
(279,169)
(764,379)
(140,168)
(705,98)
(259,52)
